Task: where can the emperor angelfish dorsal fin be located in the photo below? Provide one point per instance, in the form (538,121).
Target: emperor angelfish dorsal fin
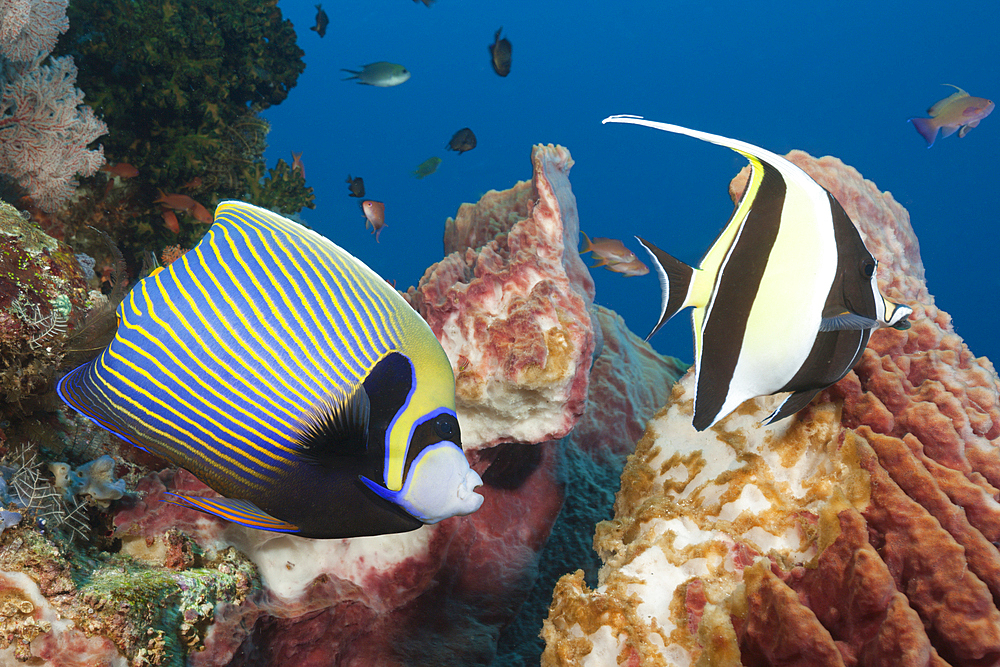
(338,428)
(675,282)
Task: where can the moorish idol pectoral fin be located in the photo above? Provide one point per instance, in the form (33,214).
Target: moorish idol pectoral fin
(847,322)
(795,402)
(337,428)
(675,282)
(238,511)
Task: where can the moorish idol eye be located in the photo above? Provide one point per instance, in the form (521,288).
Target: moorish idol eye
(868,268)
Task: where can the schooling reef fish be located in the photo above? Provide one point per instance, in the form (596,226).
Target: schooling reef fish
(462,141)
(374,215)
(500,54)
(606,251)
(960,111)
(427,167)
(628,269)
(322,20)
(380,74)
(290,378)
(356,186)
(786,298)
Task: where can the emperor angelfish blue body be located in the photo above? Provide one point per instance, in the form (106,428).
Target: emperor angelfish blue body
(289,377)
(787,296)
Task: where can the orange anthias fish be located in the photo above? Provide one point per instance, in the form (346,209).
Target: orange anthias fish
(184,203)
(200,213)
(170,221)
(297,163)
(175,201)
(959,111)
(606,251)
(613,255)
(122,170)
(629,269)
(374,215)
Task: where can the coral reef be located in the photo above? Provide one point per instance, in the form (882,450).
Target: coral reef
(41,289)
(366,601)
(44,126)
(184,106)
(861,532)
(510,308)
(30,27)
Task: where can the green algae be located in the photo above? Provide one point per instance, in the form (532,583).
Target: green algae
(154,614)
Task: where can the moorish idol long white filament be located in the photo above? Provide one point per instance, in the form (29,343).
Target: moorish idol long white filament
(289,377)
(786,298)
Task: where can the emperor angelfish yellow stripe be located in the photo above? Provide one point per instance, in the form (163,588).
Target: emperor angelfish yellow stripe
(289,377)
(787,296)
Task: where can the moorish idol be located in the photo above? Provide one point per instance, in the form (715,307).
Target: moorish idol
(289,377)
(787,296)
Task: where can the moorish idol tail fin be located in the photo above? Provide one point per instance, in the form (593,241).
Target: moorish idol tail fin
(675,282)
(927,129)
(238,511)
(795,402)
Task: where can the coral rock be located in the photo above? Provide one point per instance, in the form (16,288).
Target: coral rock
(872,540)
(510,307)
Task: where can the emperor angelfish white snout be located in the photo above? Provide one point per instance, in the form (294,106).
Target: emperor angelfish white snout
(440,484)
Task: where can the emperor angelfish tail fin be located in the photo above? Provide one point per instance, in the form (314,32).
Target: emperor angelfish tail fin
(675,282)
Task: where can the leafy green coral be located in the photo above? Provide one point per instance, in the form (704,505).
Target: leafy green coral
(180,84)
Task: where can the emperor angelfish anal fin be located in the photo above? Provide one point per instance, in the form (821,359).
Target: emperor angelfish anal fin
(242,512)
(675,282)
(847,322)
(337,428)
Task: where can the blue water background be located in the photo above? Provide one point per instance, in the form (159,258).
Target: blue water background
(831,78)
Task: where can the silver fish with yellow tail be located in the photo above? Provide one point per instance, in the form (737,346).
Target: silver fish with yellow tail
(784,301)
(289,377)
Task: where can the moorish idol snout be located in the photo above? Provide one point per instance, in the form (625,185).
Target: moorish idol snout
(289,377)
(787,296)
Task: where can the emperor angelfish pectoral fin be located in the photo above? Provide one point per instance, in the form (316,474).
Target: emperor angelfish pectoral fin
(238,511)
(676,279)
(337,428)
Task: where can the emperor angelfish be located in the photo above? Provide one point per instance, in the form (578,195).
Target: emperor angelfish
(289,377)
(787,296)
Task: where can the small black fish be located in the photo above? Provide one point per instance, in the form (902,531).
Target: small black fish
(500,50)
(322,20)
(463,140)
(427,3)
(356,186)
